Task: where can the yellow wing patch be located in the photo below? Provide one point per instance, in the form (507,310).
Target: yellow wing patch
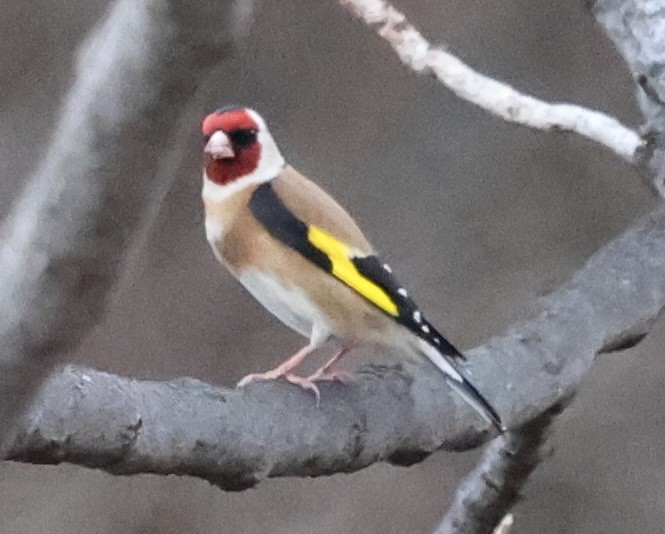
(339,255)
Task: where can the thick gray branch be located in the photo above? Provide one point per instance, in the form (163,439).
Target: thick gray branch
(493,487)
(235,439)
(67,234)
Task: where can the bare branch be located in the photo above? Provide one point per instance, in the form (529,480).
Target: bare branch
(236,439)
(492,489)
(636,27)
(67,234)
(57,268)
(491,95)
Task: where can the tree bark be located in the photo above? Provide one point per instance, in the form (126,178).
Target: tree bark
(69,232)
(237,438)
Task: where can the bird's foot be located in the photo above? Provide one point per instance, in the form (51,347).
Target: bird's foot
(331,376)
(275,374)
(325,373)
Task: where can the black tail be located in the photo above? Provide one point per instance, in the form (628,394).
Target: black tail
(461,385)
(471,395)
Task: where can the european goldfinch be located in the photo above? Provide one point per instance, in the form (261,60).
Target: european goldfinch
(301,255)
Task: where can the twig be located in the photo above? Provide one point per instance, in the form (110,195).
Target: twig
(491,95)
(491,490)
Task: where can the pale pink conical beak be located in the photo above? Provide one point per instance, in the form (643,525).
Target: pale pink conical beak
(219,146)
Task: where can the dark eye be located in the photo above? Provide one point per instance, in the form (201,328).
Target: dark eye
(243,138)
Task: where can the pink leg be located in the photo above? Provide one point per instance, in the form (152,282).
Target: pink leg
(324,373)
(284,371)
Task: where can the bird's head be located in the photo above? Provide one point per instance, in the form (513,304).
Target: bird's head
(239,147)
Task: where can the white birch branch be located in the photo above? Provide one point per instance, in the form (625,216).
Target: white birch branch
(493,96)
(67,234)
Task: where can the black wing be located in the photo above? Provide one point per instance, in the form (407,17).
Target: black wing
(409,314)
(367,275)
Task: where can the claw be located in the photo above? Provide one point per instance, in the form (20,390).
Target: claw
(336,376)
(275,374)
(324,373)
(306,384)
(259,377)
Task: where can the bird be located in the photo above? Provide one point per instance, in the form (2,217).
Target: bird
(304,258)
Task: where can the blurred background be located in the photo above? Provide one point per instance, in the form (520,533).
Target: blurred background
(478,217)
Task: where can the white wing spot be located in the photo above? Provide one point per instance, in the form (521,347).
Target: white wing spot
(387,268)
(437,341)
(417,317)
(425,328)
(402,291)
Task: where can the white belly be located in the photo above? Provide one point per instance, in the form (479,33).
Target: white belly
(289,304)
(214,235)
